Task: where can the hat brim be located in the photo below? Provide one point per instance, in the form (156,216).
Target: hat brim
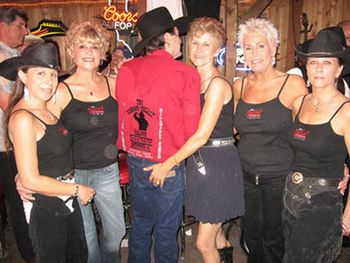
(343,55)
(10,67)
(181,23)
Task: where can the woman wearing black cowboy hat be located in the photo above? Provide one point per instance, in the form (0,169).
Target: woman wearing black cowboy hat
(320,137)
(43,154)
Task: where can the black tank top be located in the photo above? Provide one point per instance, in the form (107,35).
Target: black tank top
(223,127)
(94,126)
(54,152)
(263,130)
(318,151)
(54,149)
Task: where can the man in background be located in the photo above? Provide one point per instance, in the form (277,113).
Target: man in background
(13,29)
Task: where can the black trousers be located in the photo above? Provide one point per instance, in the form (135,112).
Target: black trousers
(262,223)
(312,225)
(8,172)
(57,237)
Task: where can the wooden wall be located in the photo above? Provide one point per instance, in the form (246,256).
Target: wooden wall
(68,15)
(284,14)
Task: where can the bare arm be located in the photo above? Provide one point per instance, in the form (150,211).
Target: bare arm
(344,123)
(214,102)
(295,87)
(25,150)
(236,91)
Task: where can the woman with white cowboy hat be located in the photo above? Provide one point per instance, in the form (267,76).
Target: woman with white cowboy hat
(313,222)
(43,153)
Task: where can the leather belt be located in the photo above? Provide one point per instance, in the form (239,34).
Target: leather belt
(220,142)
(298,178)
(68,176)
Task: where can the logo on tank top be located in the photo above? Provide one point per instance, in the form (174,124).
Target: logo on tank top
(96,110)
(254,114)
(63,131)
(300,134)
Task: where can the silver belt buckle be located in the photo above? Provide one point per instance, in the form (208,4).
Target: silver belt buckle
(322,182)
(216,143)
(297,177)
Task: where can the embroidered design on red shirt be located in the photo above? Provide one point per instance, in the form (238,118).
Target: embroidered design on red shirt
(96,110)
(300,134)
(254,114)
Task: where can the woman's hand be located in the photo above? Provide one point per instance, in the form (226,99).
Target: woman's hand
(159,173)
(343,184)
(85,194)
(25,194)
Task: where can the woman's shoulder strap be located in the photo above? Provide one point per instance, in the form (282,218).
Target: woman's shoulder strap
(301,105)
(284,83)
(242,86)
(70,92)
(109,88)
(339,108)
(31,113)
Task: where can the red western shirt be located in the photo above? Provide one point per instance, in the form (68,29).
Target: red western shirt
(159,105)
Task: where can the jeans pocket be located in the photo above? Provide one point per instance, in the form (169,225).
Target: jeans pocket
(292,202)
(175,183)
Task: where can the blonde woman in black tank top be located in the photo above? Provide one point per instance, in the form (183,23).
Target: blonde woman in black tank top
(320,137)
(262,103)
(86,103)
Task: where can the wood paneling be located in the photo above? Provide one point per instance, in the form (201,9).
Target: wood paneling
(285,14)
(69,15)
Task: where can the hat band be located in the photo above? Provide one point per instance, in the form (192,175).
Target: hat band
(328,54)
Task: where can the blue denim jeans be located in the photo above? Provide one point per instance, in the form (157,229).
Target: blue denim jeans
(155,210)
(108,201)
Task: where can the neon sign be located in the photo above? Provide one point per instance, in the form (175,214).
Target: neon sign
(122,20)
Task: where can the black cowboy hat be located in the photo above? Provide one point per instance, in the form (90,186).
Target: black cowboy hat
(156,22)
(329,42)
(37,55)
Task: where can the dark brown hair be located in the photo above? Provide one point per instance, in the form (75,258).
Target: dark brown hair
(16,95)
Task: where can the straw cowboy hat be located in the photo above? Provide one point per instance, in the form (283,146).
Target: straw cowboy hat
(156,22)
(37,55)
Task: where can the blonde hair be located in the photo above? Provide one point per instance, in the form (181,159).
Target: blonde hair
(259,25)
(86,31)
(208,25)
